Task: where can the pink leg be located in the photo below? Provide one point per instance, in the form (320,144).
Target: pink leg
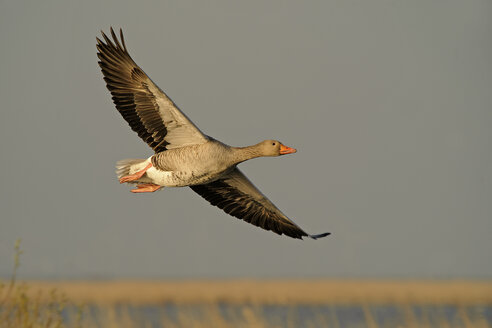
(136,175)
(146,187)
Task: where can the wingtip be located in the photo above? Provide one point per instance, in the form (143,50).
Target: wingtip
(321,235)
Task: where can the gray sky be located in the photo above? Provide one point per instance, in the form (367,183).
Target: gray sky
(388,103)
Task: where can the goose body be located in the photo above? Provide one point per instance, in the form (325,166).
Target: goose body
(187,166)
(184,156)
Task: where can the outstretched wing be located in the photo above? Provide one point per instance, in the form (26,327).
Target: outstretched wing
(237,196)
(148,110)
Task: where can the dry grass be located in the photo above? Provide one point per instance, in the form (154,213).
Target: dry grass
(276,291)
(242,303)
(21,307)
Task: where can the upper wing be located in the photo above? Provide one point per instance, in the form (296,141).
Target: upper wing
(148,110)
(237,196)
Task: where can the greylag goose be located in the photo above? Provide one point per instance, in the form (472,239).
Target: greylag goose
(184,156)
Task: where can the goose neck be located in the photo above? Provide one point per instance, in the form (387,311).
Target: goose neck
(242,154)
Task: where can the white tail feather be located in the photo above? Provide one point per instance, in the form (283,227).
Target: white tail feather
(127,166)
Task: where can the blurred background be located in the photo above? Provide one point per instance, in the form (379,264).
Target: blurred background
(387,102)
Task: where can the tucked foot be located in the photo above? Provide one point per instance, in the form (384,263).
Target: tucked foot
(136,175)
(146,187)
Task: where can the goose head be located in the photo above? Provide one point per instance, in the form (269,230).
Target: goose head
(274,148)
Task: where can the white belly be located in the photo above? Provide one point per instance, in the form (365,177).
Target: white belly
(163,178)
(177,179)
(173,178)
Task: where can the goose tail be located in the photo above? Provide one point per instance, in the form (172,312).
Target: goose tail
(129,166)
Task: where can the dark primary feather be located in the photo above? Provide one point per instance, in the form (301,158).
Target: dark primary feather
(146,108)
(237,196)
(128,86)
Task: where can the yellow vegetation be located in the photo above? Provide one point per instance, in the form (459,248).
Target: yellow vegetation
(42,304)
(275,291)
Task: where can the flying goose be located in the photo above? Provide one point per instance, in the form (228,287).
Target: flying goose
(184,156)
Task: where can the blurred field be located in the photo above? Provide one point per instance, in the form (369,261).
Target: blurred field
(244,303)
(274,291)
(250,303)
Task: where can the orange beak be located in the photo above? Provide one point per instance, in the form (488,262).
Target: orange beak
(286,150)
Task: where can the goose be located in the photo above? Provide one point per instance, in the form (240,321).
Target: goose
(184,156)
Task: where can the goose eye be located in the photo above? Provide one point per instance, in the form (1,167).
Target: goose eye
(273,144)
